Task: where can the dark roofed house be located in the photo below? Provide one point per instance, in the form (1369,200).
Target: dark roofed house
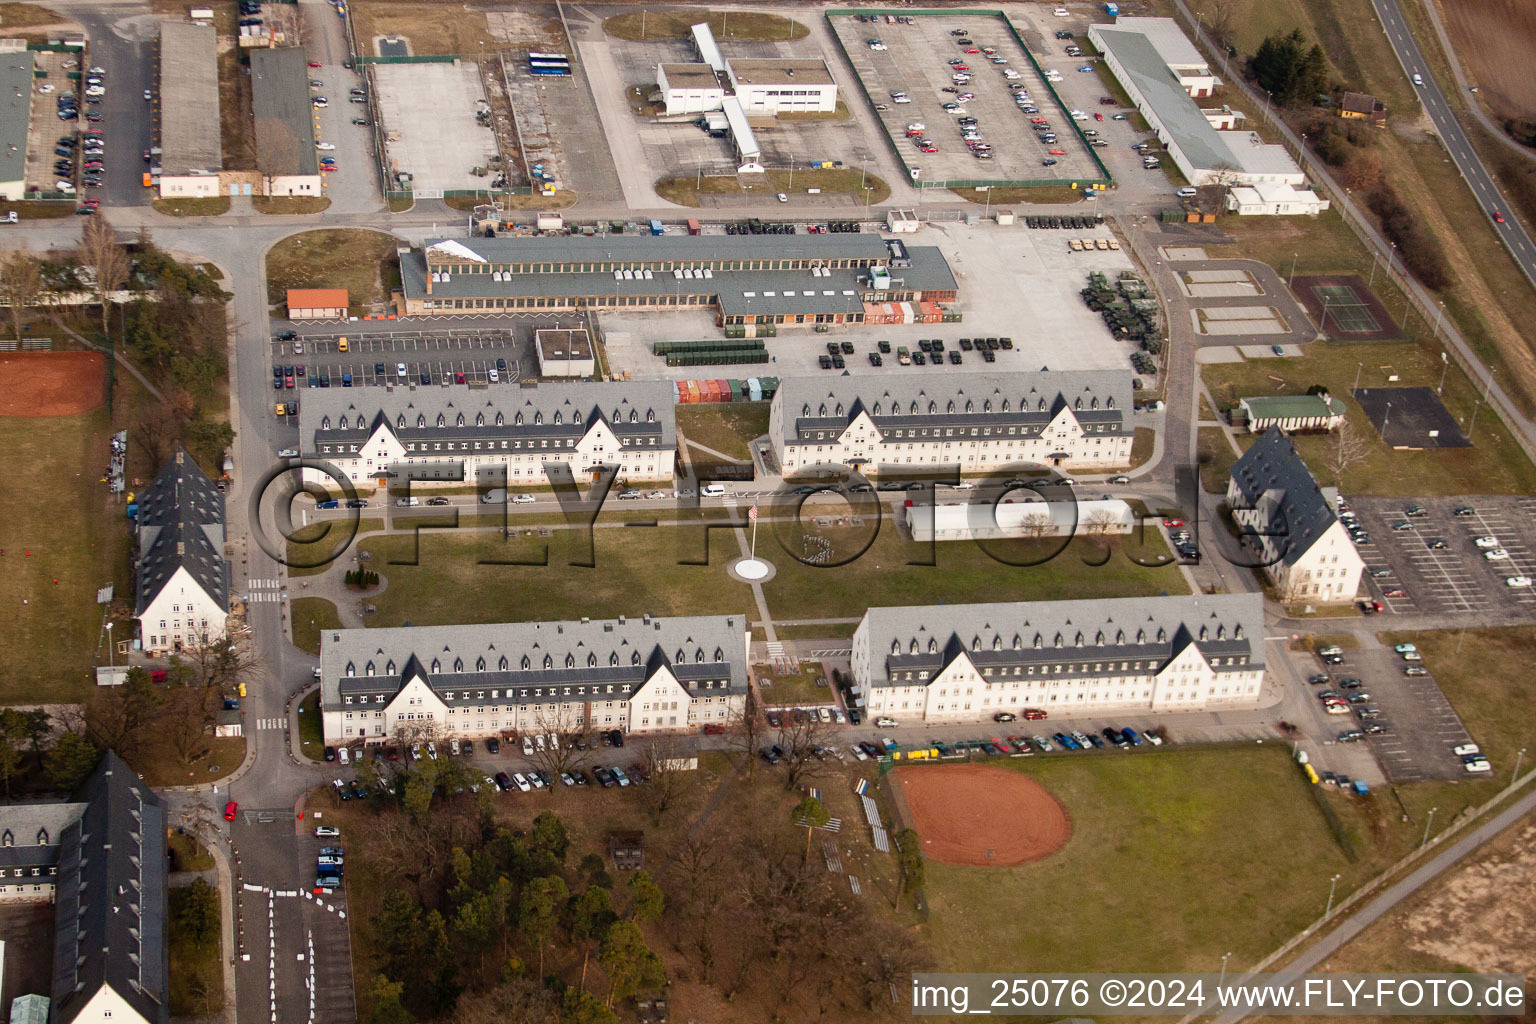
(1307,553)
(1362,106)
(182,576)
(110,958)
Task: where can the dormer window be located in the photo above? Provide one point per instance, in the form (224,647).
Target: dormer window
(933,646)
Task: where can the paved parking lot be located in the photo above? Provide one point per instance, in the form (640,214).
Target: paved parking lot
(915,61)
(428,111)
(1420,726)
(441,355)
(1409,572)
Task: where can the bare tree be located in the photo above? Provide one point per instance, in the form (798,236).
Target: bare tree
(559,725)
(1349,447)
(746,726)
(802,741)
(674,773)
(21,278)
(156,432)
(1099,522)
(278,148)
(108,260)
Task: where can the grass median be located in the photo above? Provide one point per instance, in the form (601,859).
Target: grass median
(311,617)
(727,26)
(866,188)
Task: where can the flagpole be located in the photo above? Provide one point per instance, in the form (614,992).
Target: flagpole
(754,533)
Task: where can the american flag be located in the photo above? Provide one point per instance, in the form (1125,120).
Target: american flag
(752,513)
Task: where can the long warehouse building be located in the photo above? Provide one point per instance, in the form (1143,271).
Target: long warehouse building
(192,154)
(749,280)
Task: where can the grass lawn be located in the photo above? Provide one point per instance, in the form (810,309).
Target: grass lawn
(799,689)
(361,261)
(1215,458)
(30,210)
(159,764)
(835,180)
(638,570)
(1486,677)
(314,547)
(725,427)
(737,26)
(401,203)
(208,206)
(311,616)
(28,15)
(76,535)
(1148,832)
(197,980)
(834,631)
(1494,465)
(1142,445)
(187,854)
(311,726)
(290,204)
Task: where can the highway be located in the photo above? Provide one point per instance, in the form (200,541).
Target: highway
(1510,231)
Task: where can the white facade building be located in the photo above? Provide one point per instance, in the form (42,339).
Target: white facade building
(943,663)
(980,422)
(1015,517)
(430,433)
(1306,552)
(783,85)
(689,88)
(1274,200)
(642,675)
(182,576)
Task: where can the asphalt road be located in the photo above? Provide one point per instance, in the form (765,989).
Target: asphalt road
(122,43)
(1511,231)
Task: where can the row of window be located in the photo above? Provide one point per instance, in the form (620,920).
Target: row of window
(571,301)
(890,701)
(656,266)
(989,671)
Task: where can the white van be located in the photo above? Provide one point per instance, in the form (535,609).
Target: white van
(407,502)
(344,755)
(1187,192)
(712,490)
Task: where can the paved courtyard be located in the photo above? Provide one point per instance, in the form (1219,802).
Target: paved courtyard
(427,113)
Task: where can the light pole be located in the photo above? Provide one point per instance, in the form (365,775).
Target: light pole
(1292,275)
(1224,967)
(1333,884)
(1519,756)
(792,173)
(1266,104)
(1439,315)
(1358,368)
(1445,364)
(1375,258)
(1322,328)
(109,647)
(1427,824)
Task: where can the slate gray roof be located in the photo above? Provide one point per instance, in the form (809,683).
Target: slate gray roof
(512,656)
(1098,398)
(181,524)
(635,410)
(1201,144)
(31,834)
(189,99)
(927,638)
(689,249)
(1272,479)
(284,121)
(15,114)
(110,903)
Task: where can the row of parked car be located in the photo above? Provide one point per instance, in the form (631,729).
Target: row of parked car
(466,747)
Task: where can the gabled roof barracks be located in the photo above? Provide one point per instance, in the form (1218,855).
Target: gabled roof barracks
(1228,630)
(535,662)
(110,899)
(819,409)
(181,526)
(636,411)
(1272,479)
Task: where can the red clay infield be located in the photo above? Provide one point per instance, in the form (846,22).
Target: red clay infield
(50,383)
(983,816)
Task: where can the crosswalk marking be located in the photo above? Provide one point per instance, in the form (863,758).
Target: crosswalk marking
(270,723)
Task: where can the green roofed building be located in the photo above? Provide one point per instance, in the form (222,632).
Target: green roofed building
(1292,412)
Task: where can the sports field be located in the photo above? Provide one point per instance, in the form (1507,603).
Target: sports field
(1344,307)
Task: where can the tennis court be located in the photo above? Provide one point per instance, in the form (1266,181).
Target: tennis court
(1344,307)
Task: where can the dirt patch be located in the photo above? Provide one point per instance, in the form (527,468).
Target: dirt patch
(36,384)
(1495,39)
(1476,918)
(983,816)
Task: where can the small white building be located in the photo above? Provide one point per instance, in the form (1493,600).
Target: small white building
(1289,526)
(689,88)
(638,675)
(182,575)
(1292,412)
(783,85)
(564,352)
(1276,199)
(968,662)
(1015,517)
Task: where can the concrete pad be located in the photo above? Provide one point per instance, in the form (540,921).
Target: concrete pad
(1209,276)
(1265,352)
(428,114)
(1218,354)
(1238,313)
(1221,290)
(1240,327)
(1177,253)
